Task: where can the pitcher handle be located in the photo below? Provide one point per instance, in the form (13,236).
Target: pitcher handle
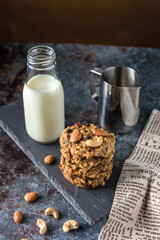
(98,72)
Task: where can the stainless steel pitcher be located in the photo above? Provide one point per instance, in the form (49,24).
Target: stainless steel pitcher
(118,102)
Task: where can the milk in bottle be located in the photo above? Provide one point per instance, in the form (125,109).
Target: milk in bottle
(43,96)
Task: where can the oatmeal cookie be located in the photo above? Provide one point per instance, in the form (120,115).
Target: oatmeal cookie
(87,153)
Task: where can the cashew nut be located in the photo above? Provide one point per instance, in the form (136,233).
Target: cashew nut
(52,211)
(95,142)
(70,224)
(42,225)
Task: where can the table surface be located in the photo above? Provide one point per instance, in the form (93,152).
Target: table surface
(18,174)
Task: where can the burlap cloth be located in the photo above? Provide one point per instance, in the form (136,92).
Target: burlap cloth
(135,213)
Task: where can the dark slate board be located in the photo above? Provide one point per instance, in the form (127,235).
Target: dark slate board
(91,204)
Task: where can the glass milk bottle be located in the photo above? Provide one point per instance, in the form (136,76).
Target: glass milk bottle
(43,96)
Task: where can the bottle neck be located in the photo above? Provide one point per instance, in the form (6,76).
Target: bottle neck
(41,60)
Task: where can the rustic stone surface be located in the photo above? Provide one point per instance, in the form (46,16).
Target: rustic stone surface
(18,175)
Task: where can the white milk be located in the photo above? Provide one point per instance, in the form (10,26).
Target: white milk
(43,100)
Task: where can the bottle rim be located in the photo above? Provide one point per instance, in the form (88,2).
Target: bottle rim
(41,54)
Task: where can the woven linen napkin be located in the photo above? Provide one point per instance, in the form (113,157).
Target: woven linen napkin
(135,212)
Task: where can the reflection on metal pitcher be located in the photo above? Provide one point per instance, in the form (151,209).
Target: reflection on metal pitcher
(118,103)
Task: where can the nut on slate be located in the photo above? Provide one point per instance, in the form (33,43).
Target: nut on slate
(42,225)
(75,136)
(49,159)
(99,132)
(52,211)
(17,216)
(95,142)
(69,225)
(31,197)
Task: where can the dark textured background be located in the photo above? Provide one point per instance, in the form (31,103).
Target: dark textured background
(18,175)
(116,22)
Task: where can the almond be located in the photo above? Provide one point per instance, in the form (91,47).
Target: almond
(17,216)
(95,142)
(31,197)
(99,132)
(75,136)
(78,124)
(49,159)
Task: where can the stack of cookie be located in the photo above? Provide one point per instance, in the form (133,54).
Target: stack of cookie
(87,153)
